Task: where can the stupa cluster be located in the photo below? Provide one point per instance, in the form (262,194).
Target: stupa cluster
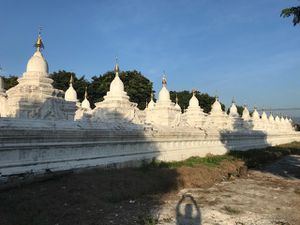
(35,98)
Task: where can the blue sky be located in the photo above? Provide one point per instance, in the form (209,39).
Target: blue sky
(237,48)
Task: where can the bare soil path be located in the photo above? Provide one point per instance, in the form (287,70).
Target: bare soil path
(270,196)
(147,196)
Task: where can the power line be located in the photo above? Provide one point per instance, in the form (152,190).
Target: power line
(279,109)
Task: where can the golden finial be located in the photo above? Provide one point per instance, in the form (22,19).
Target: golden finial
(194,91)
(164,80)
(117,69)
(39,43)
(151,95)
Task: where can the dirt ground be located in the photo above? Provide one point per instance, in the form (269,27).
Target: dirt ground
(184,196)
(267,197)
(100,196)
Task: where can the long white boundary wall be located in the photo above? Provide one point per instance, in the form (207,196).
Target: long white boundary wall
(32,146)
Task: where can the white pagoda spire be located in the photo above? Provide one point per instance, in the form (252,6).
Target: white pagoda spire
(233,112)
(177,106)
(164,95)
(71,94)
(37,62)
(246,114)
(151,104)
(85,103)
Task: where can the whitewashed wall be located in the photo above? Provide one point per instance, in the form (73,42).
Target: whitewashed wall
(36,146)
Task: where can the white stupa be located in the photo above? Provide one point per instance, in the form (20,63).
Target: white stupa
(116,106)
(71,94)
(149,110)
(255,114)
(151,104)
(177,106)
(264,122)
(164,95)
(194,114)
(34,96)
(264,116)
(165,112)
(85,103)
(237,122)
(246,114)
(247,122)
(217,118)
(271,118)
(256,120)
(233,111)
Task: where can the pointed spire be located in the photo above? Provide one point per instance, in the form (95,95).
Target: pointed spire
(194,91)
(85,93)
(39,42)
(151,95)
(164,80)
(233,100)
(117,69)
(71,80)
(85,103)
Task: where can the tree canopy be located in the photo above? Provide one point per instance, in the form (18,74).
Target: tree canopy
(10,81)
(137,86)
(61,80)
(205,100)
(292,11)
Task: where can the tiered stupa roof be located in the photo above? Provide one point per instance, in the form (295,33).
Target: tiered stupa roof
(246,114)
(164,95)
(255,114)
(151,104)
(85,103)
(216,108)
(177,106)
(116,90)
(233,112)
(71,94)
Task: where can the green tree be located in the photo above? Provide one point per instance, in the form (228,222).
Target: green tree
(137,86)
(292,11)
(10,81)
(240,110)
(61,80)
(205,100)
